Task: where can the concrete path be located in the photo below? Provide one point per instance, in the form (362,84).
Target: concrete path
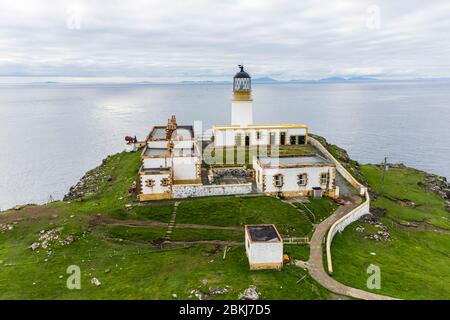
(315,263)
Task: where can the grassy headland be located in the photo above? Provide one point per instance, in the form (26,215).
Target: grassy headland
(120,245)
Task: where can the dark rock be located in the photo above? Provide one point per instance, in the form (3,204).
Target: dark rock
(378,212)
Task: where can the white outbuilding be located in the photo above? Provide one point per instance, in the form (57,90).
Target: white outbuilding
(264,247)
(300,175)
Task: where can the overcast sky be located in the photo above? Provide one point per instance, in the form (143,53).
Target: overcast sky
(171,39)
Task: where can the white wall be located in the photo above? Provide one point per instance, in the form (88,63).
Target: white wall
(157,144)
(184,168)
(157,188)
(184,144)
(342,223)
(242,113)
(157,162)
(263,252)
(226,137)
(290,178)
(296,132)
(187,191)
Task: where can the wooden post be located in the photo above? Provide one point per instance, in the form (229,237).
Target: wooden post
(382,178)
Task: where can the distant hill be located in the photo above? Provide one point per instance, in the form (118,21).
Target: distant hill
(264,80)
(361,78)
(339,79)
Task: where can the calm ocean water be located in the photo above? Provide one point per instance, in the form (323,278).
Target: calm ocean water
(50,134)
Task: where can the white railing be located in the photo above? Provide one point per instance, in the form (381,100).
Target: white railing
(296,240)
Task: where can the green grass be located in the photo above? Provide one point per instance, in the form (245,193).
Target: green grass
(138,272)
(185,234)
(397,197)
(159,213)
(415,264)
(318,209)
(139,234)
(298,252)
(238,211)
(128,260)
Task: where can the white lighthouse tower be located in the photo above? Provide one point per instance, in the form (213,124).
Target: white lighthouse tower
(242,104)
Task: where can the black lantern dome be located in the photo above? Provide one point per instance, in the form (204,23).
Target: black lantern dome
(242,81)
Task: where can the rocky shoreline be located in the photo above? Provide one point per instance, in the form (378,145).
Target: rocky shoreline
(432,183)
(89,183)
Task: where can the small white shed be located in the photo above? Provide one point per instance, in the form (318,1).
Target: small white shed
(264,246)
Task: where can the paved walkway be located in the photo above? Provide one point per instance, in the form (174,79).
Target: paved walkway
(315,262)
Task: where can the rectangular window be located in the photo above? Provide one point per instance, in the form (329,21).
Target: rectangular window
(278,180)
(302,179)
(282,138)
(247,139)
(258,135)
(164,182)
(237,139)
(150,183)
(324,178)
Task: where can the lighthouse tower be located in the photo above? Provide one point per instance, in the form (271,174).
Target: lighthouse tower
(242,104)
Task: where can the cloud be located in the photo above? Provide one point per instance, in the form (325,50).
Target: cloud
(206,39)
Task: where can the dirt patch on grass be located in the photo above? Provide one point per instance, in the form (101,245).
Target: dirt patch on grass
(420,225)
(104,220)
(156,203)
(28,213)
(108,221)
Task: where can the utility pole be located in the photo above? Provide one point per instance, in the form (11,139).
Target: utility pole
(384,172)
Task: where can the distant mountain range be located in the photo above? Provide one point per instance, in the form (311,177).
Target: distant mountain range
(260,80)
(264,80)
(339,79)
(272,80)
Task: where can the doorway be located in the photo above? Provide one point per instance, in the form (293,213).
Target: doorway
(272,138)
(283,138)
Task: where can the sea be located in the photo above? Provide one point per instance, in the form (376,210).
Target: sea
(52,133)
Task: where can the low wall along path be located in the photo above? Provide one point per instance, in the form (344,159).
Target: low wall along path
(337,222)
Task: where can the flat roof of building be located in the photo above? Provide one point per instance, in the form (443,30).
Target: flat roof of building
(154,170)
(261,126)
(182,132)
(293,161)
(163,151)
(263,233)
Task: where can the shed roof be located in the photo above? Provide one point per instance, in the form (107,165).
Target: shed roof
(292,161)
(263,233)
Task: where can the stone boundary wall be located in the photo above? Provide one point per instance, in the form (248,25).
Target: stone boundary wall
(354,214)
(199,190)
(339,167)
